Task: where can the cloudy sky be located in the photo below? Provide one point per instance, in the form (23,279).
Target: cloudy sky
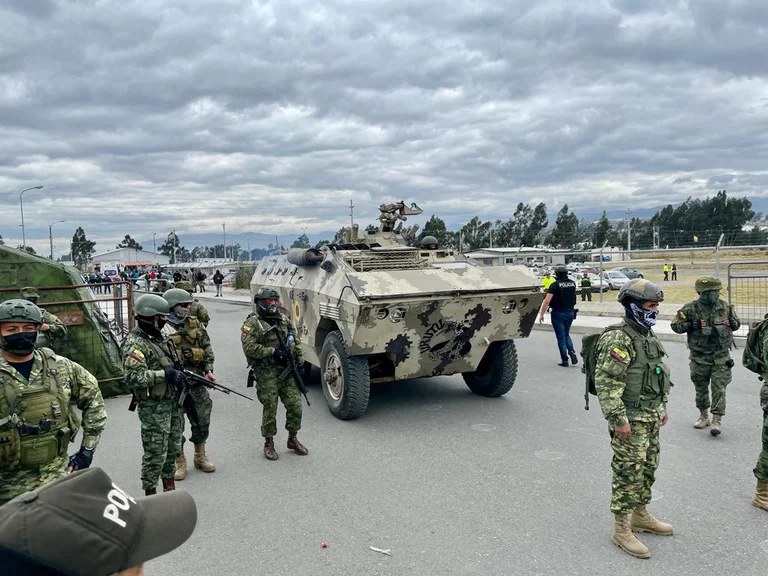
(138,116)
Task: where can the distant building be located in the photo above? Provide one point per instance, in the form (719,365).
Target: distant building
(526,256)
(207,265)
(130,257)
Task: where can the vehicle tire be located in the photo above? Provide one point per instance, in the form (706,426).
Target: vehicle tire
(497,371)
(347,395)
(639,275)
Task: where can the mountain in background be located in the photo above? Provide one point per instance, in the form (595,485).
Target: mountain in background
(257,239)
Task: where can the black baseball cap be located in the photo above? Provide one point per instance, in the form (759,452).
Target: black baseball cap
(84,525)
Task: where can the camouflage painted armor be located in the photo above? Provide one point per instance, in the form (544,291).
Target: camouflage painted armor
(632,384)
(199,311)
(258,347)
(32,454)
(194,345)
(709,348)
(143,360)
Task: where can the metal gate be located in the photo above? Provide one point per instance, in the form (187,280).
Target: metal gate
(748,291)
(96,326)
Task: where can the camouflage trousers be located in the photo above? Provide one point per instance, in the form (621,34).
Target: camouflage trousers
(204,407)
(634,467)
(13,483)
(268,390)
(710,371)
(160,438)
(761,469)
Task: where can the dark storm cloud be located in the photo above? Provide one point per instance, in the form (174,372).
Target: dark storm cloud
(143,116)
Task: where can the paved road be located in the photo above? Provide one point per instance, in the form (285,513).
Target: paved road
(455,484)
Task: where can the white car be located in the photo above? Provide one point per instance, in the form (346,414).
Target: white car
(615,279)
(598,285)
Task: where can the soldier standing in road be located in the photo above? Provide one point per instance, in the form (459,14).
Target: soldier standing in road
(632,384)
(196,309)
(150,376)
(760,498)
(52,327)
(267,360)
(709,322)
(37,389)
(191,339)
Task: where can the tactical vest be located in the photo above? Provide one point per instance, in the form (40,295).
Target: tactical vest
(647,378)
(161,390)
(36,423)
(188,343)
(712,338)
(267,339)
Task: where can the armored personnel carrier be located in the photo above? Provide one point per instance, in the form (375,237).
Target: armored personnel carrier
(373,309)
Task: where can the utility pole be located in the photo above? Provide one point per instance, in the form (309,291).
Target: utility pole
(351,215)
(50,234)
(154,242)
(224,227)
(629,230)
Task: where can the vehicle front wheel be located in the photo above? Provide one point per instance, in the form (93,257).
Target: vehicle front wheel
(497,371)
(345,379)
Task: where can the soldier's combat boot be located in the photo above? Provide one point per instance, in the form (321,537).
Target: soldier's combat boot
(181,467)
(269,449)
(760,499)
(150,491)
(295,445)
(642,521)
(201,460)
(626,540)
(703,420)
(716,424)
(169,484)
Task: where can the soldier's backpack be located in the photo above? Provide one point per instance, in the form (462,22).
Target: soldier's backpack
(589,361)
(752,357)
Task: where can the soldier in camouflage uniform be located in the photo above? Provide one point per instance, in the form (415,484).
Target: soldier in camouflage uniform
(155,384)
(632,384)
(37,423)
(267,360)
(709,322)
(196,309)
(760,498)
(191,339)
(52,327)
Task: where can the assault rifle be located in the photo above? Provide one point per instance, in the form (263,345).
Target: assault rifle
(291,368)
(196,379)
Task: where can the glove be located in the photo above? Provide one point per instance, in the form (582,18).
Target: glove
(731,322)
(175,378)
(81,459)
(280,357)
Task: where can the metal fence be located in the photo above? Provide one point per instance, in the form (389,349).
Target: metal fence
(748,291)
(95,326)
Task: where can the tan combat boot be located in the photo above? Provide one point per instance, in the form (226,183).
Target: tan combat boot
(295,445)
(269,449)
(760,499)
(642,521)
(201,460)
(169,484)
(703,420)
(626,540)
(716,424)
(181,468)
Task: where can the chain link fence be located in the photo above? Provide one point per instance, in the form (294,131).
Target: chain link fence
(748,291)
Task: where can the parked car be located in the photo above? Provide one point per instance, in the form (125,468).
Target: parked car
(615,279)
(598,285)
(630,273)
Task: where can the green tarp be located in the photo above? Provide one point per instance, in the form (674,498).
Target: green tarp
(90,342)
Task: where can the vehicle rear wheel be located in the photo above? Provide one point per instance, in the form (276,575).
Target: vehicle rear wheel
(345,379)
(497,371)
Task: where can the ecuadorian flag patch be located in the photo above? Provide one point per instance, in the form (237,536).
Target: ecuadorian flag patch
(619,354)
(246,328)
(138,354)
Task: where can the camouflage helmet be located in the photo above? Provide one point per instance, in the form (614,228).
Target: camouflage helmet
(30,293)
(185,285)
(428,241)
(262,307)
(150,305)
(706,283)
(642,290)
(18,310)
(176,296)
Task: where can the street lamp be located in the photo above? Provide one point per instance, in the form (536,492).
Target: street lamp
(21,205)
(50,234)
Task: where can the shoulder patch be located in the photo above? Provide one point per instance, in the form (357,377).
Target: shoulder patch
(619,354)
(246,328)
(138,354)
